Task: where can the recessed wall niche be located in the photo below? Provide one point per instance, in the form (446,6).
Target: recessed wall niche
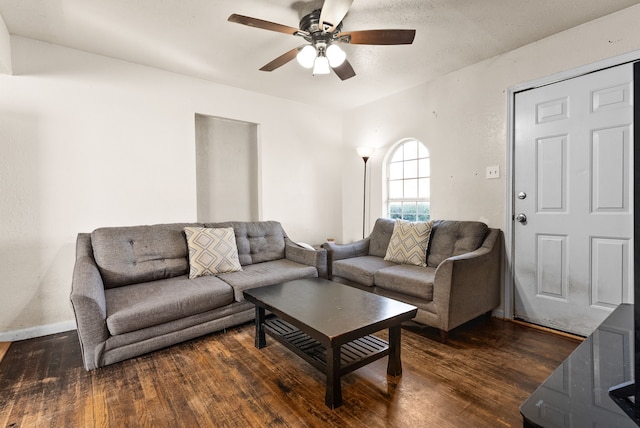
(226,169)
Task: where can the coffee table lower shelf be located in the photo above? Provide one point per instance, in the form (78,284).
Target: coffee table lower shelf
(353,355)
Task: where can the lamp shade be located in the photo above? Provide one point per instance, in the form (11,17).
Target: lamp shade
(306,56)
(335,55)
(365,151)
(321,65)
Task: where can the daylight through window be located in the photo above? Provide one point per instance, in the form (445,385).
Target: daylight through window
(409,182)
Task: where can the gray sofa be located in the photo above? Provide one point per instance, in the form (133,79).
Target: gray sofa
(131,293)
(460,282)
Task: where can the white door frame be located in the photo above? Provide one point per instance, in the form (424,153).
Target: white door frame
(511,92)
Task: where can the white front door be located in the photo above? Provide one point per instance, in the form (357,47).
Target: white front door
(573,201)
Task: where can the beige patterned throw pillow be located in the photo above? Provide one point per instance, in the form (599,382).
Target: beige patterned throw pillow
(409,242)
(211,251)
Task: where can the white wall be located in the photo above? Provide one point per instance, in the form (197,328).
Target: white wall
(227,170)
(87,141)
(5,48)
(462,119)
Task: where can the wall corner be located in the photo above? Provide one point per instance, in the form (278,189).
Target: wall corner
(5,49)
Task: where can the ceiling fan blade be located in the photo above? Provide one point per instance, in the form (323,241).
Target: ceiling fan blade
(344,70)
(260,23)
(380,37)
(281,60)
(333,12)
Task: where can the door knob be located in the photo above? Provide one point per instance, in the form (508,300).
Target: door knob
(521,218)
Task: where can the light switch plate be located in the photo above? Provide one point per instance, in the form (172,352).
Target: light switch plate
(493,172)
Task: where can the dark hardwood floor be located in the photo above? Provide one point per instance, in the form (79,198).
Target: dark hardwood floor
(478,378)
(4,347)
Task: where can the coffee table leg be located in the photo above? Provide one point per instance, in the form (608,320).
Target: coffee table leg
(394,366)
(261,342)
(333,395)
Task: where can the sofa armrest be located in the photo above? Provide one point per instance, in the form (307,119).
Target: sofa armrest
(468,285)
(88,302)
(300,254)
(345,251)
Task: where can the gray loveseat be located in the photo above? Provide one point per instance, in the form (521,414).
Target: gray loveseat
(460,282)
(131,293)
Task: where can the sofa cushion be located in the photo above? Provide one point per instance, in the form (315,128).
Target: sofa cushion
(380,236)
(411,280)
(408,244)
(452,238)
(257,242)
(129,255)
(266,273)
(360,269)
(211,251)
(147,304)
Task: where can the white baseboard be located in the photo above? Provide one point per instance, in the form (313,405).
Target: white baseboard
(41,330)
(45,330)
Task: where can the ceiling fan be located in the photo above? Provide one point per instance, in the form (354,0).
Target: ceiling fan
(322,30)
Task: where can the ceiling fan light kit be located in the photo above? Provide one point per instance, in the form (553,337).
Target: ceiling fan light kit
(321,58)
(321,65)
(336,55)
(307,56)
(320,31)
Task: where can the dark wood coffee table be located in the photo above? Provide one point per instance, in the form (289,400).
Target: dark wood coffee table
(330,325)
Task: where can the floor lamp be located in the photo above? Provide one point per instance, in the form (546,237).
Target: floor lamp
(365,153)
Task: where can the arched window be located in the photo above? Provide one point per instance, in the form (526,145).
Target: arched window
(409,182)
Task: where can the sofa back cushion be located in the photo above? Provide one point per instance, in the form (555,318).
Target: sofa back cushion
(452,238)
(260,241)
(380,236)
(129,255)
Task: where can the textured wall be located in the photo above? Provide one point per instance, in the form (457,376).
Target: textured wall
(462,119)
(87,141)
(5,49)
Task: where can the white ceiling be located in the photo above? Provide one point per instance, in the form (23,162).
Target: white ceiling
(193,37)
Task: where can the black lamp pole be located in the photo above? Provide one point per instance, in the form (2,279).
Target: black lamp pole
(364,193)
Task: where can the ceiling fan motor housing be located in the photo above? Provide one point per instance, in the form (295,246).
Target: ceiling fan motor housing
(311,24)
